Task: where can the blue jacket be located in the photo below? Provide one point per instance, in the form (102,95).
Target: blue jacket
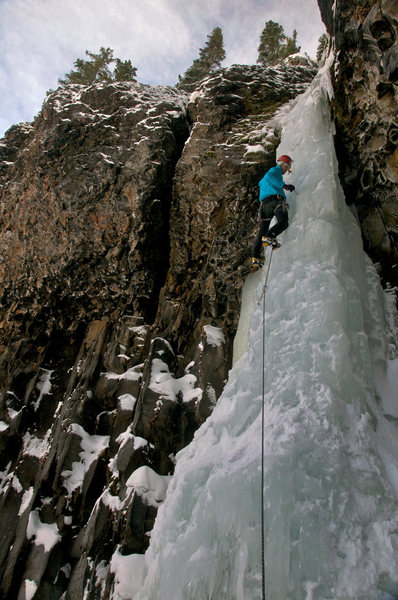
(272,183)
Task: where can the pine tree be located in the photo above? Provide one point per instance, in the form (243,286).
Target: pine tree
(275,45)
(210,59)
(271,42)
(124,71)
(291,46)
(98,69)
(322,45)
(196,72)
(213,53)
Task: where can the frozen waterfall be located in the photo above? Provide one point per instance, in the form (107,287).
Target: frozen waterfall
(331,408)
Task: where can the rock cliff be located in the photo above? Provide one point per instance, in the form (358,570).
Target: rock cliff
(127,217)
(365,40)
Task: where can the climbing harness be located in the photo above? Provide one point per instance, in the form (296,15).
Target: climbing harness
(262,297)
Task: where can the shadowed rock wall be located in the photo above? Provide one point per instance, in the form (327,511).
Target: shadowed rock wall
(365,39)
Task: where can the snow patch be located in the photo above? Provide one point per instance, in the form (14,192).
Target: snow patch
(123,438)
(16,484)
(92,446)
(30,589)
(132,374)
(33,446)
(169,387)
(44,534)
(214,335)
(101,574)
(26,499)
(129,574)
(43,386)
(112,502)
(127,402)
(152,486)
(12,413)
(254,149)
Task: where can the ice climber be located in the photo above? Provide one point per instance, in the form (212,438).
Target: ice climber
(272,204)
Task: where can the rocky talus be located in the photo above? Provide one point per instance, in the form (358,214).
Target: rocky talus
(365,41)
(127,217)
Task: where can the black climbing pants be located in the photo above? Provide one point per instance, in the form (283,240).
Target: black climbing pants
(272,206)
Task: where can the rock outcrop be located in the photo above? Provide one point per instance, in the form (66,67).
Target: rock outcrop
(127,217)
(365,40)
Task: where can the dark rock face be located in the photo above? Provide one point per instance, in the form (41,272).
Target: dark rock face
(365,111)
(87,186)
(127,217)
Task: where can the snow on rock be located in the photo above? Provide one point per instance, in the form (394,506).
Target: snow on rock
(101,574)
(299,58)
(254,149)
(169,387)
(44,534)
(127,435)
(16,484)
(132,374)
(92,446)
(214,335)
(128,444)
(114,504)
(140,332)
(30,589)
(129,573)
(12,413)
(127,402)
(34,446)
(43,386)
(149,483)
(5,478)
(26,500)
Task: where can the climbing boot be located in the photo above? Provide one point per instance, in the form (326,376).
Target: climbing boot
(270,241)
(257,263)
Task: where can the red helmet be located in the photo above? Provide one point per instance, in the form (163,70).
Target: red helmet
(286,160)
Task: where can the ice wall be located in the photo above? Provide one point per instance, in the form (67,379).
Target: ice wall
(331,453)
(249,300)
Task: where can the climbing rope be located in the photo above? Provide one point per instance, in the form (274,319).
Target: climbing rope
(265,284)
(262,297)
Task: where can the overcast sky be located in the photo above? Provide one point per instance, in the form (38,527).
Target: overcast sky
(41,39)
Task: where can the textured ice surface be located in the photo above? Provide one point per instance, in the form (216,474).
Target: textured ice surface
(331,452)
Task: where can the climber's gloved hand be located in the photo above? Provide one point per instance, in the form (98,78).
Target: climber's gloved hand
(289,187)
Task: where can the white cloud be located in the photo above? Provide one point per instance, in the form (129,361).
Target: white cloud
(40,39)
